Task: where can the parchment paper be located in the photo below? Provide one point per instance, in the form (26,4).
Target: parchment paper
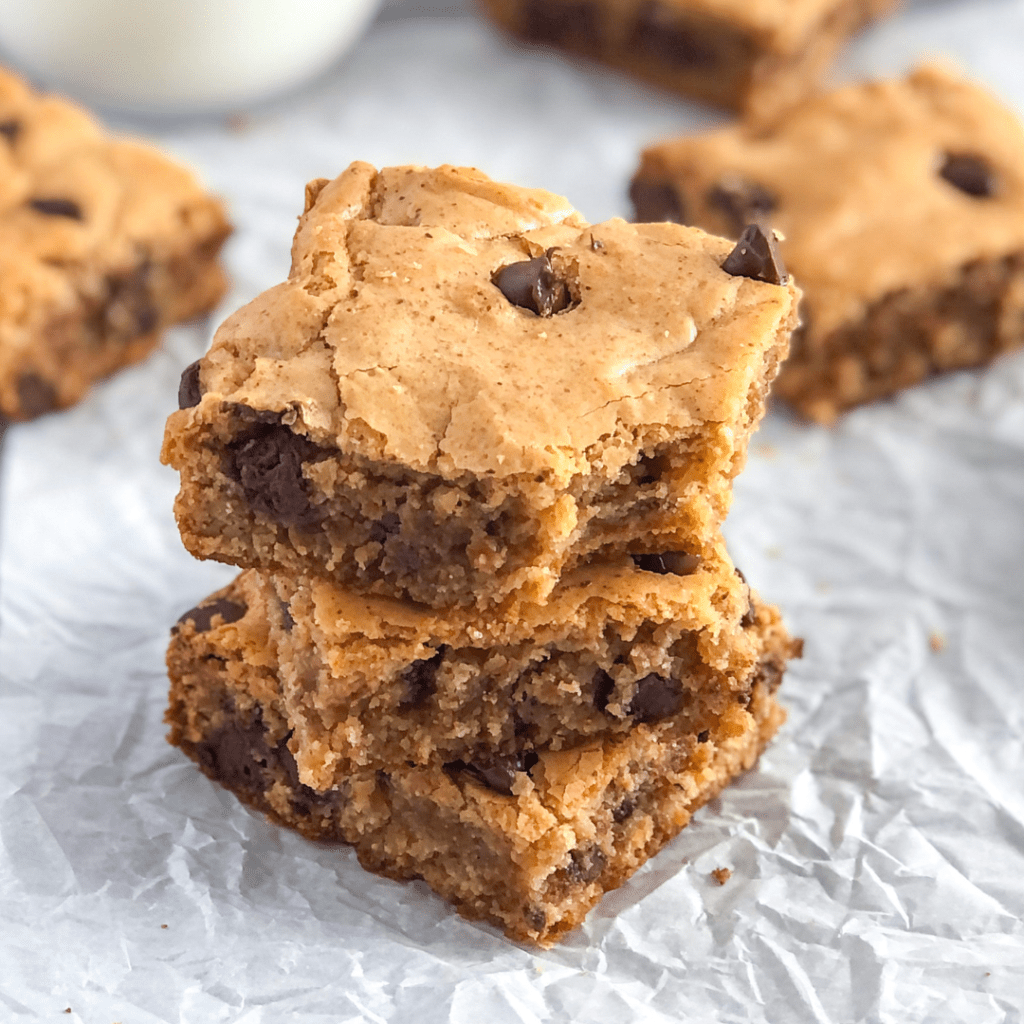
(877,853)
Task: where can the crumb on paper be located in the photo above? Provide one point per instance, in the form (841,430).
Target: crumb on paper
(163,926)
(766,451)
(937,642)
(721,875)
(238,123)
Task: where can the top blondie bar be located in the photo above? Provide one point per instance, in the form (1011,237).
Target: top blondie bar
(463,390)
(103,242)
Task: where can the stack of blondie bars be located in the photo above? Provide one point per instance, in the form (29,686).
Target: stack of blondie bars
(474,457)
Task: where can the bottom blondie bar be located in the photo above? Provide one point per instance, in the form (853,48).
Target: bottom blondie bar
(532,857)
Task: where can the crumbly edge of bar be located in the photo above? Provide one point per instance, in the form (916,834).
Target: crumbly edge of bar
(495,705)
(906,337)
(533,862)
(381,528)
(111,330)
(738,70)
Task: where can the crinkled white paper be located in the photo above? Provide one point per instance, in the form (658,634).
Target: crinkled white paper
(877,853)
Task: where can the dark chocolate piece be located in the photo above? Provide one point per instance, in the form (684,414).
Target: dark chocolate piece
(202,615)
(287,622)
(536,918)
(679,563)
(659,33)
(756,256)
(574,26)
(9,130)
(499,771)
(190,391)
(420,679)
(969,173)
(267,461)
(35,395)
(387,526)
(57,208)
(586,865)
(656,697)
(703,736)
(624,810)
(130,312)
(604,685)
(742,202)
(532,285)
(236,755)
(655,201)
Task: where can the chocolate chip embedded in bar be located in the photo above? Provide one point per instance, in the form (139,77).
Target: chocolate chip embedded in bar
(759,57)
(107,241)
(901,282)
(458,395)
(529,839)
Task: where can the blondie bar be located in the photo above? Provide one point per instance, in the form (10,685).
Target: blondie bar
(103,243)
(901,206)
(760,57)
(463,390)
(530,845)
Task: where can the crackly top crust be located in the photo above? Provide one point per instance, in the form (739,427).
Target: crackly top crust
(857,191)
(134,203)
(390,339)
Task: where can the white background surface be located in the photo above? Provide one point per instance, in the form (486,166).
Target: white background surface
(878,851)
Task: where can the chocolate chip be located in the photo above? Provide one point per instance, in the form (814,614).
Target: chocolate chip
(571,25)
(769,674)
(679,563)
(287,622)
(703,736)
(536,918)
(190,391)
(387,526)
(969,173)
(656,697)
(35,395)
(202,615)
(236,755)
(267,460)
(532,285)
(749,617)
(9,130)
(742,202)
(498,772)
(655,201)
(586,865)
(624,810)
(604,686)
(57,208)
(129,311)
(659,33)
(756,256)
(420,679)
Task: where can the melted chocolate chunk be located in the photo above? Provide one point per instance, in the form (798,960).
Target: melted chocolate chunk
(742,202)
(756,256)
(586,865)
(679,563)
(499,771)
(536,918)
(387,526)
(35,395)
(287,622)
(10,130)
(532,285)
(703,736)
(656,697)
(658,33)
(604,686)
(969,173)
(769,674)
(420,679)
(202,615)
(236,755)
(574,26)
(624,810)
(655,201)
(57,208)
(190,391)
(267,460)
